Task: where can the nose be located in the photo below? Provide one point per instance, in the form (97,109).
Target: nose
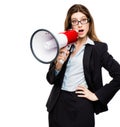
(79,23)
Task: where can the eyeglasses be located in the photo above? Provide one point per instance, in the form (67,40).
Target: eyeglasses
(84,21)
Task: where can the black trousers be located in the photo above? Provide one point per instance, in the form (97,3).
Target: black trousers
(72,111)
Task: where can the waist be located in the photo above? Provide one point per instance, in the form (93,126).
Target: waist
(71,88)
(68,95)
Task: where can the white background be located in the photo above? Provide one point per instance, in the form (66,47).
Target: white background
(23,86)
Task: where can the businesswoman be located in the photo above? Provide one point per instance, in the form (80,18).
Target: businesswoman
(78,90)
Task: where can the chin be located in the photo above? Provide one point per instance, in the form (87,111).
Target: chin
(82,36)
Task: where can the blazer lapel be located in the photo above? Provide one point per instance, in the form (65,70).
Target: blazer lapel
(87,54)
(86,62)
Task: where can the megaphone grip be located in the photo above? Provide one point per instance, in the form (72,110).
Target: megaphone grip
(72,36)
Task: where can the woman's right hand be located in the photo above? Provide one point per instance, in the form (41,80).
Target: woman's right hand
(62,57)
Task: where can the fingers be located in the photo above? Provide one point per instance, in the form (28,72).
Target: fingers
(63,54)
(61,61)
(62,57)
(82,91)
(81,88)
(64,51)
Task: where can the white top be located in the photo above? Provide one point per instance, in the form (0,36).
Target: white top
(74,74)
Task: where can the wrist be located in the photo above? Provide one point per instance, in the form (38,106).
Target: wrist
(95,98)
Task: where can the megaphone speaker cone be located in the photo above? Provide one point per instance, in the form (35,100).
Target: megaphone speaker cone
(45,46)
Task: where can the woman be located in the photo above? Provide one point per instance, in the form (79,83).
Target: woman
(78,91)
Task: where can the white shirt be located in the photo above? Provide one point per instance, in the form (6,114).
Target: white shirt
(74,74)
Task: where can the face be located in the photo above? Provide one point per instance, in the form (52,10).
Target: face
(80,23)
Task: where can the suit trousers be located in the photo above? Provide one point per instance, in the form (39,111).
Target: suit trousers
(72,111)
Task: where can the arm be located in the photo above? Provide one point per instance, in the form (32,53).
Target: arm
(55,68)
(106,93)
(51,73)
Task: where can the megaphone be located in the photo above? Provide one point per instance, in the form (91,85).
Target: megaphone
(45,45)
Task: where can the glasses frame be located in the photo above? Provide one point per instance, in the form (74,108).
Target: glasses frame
(80,21)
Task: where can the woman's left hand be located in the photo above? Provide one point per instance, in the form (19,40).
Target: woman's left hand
(82,91)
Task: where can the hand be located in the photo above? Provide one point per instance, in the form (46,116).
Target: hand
(82,91)
(62,57)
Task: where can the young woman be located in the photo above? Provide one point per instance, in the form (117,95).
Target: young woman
(78,91)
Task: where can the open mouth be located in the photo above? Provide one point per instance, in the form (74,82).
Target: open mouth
(80,30)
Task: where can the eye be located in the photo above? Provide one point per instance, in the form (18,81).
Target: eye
(74,21)
(84,20)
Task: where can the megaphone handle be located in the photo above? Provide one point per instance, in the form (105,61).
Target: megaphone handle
(71,48)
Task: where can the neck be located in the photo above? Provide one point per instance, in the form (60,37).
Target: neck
(81,41)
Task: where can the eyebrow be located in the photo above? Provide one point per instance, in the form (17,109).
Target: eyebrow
(81,17)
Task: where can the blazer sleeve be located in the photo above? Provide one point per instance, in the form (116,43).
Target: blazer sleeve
(106,93)
(51,77)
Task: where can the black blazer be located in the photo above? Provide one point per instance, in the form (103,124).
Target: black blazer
(95,57)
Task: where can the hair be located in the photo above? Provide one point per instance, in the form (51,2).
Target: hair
(81,8)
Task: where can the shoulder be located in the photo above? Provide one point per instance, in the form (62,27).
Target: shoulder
(100,46)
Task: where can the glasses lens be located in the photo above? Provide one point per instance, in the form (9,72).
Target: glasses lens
(74,22)
(84,21)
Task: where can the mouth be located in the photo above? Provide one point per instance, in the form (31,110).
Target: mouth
(80,31)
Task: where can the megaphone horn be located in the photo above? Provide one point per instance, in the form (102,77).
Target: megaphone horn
(45,46)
